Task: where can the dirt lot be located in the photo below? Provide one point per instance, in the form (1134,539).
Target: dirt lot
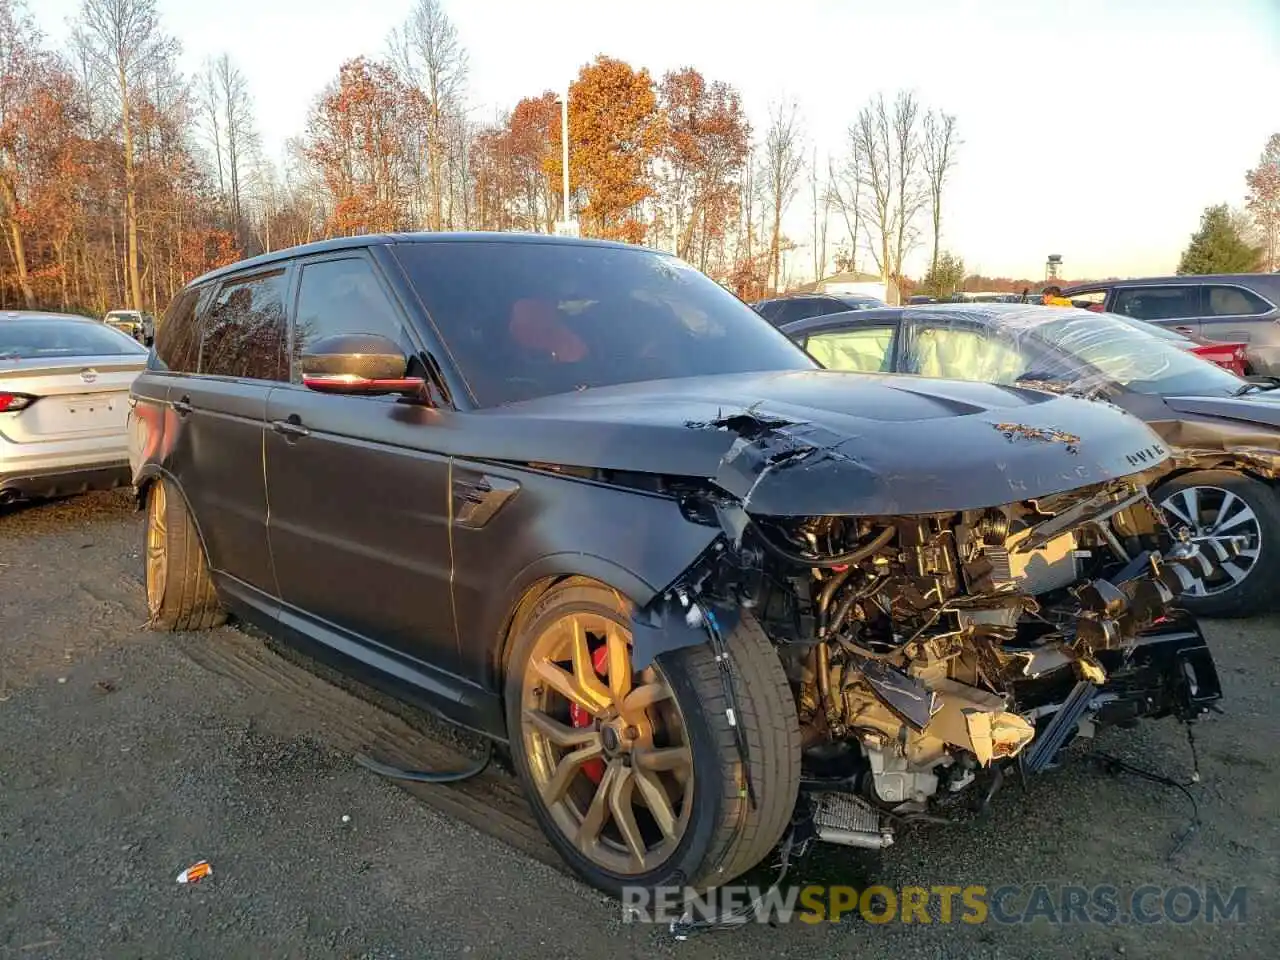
(127,755)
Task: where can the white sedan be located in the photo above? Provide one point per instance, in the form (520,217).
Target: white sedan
(64,403)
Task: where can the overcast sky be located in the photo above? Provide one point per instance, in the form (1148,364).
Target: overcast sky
(1097,129)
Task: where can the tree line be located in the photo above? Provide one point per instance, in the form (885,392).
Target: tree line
(121,178)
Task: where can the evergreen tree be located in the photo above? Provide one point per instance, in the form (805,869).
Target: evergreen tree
(1218,246)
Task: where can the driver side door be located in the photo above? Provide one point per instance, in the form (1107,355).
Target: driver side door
(359,499)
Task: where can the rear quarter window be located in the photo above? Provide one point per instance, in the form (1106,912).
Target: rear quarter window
(178,337)
(1225,301)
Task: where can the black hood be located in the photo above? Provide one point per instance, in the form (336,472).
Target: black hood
(821,442)
(1259,409)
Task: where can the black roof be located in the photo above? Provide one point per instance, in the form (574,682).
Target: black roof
(815,295)
(376,239)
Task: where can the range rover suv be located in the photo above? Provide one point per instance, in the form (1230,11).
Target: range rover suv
(577,497)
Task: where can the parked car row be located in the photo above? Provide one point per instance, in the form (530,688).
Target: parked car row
(64,392)
(135,323)
(580,499)
(1224,431)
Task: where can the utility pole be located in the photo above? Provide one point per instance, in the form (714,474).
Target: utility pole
(567,227)
(564,147)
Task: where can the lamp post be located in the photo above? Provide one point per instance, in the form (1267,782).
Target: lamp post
(567,227)
(564,145)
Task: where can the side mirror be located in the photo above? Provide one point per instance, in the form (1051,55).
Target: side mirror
(365,364)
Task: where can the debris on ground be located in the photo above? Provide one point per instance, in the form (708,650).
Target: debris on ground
(196,872)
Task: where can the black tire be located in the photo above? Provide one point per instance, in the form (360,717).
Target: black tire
(725,835)
(180,592)
(1255,592)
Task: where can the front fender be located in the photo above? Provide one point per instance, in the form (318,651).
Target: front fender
(554,526)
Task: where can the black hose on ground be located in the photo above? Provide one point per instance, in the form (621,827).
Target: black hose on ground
(427,776)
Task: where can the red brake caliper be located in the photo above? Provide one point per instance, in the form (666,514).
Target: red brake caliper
(580,718)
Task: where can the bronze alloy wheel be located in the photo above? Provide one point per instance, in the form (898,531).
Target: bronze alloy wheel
(157,549)
(607,747)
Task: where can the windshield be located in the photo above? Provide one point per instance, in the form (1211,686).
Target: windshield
(1139,360)
(33,339)
(525,320)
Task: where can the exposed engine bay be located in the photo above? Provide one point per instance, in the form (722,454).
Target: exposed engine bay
(927,651)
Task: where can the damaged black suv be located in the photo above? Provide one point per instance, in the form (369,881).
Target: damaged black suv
(577,497)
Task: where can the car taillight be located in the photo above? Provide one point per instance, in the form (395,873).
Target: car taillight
(13,402)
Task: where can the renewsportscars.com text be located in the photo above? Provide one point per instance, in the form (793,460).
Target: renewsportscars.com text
(1103,904)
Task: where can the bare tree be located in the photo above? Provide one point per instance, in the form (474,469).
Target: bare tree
(783,162)
(869,139)
(821,215)
(910,193)
(121,40)
(209,112)
(938,155)
(430,57)
(844,189)
(237,124)
(885,144)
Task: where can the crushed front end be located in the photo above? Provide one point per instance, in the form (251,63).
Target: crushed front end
(928,652)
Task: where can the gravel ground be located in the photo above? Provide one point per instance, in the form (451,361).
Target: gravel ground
(126,755)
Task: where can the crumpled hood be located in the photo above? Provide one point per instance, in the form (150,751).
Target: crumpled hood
(1262,409)
(823,442)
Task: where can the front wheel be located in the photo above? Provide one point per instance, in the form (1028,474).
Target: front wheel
(635,774)
(1217,507)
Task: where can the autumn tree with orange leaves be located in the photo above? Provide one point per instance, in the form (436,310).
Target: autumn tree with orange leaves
(356,142)
(615,130)
(703,153)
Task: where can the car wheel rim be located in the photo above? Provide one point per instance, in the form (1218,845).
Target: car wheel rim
(607,746)
(157,549)
(1217,519)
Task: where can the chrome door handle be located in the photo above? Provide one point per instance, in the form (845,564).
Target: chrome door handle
(182,407)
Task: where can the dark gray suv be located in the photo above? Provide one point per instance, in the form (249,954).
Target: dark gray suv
(577,497)
(1229,307)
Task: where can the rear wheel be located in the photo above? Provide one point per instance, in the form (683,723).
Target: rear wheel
(1215,507)
(635,774)
(180,593)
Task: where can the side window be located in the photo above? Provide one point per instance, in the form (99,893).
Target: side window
(1089,299)
(1234,302)
(1159,303)
(178,336)
(244,329)
(865,350)
(962,353)
(342,296)
(787,311)
(768,309)
(824,305)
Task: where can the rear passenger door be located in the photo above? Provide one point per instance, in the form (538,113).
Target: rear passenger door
(220,414)
(359,521)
